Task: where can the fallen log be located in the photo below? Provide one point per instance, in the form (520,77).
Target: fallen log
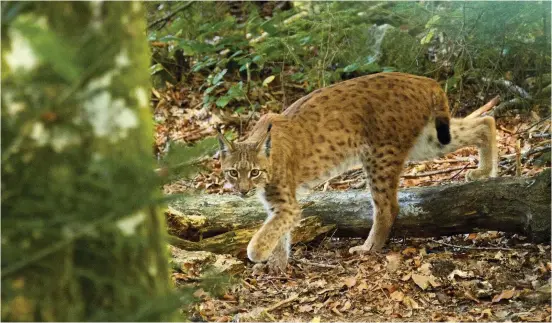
(224,224)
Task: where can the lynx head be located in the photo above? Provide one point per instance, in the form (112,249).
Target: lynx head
(245,164)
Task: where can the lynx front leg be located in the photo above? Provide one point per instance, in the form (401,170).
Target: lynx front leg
(284,212)
(383,178)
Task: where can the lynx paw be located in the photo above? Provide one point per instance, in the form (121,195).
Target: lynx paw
(277,263)
(371,245)
(259,250)
(268,269)
(476,174)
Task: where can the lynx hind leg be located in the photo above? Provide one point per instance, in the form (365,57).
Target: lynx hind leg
(479,132)
(383,179)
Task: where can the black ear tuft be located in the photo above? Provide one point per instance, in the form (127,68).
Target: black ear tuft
(268,142)
(225,145)
(219,137)
(268,145)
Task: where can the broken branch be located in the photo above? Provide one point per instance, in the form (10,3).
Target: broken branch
(488,106)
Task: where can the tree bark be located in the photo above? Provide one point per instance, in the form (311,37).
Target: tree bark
(224,224)
(82,233)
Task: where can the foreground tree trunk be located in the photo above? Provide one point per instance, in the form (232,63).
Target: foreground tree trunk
(82,239)
(224,224)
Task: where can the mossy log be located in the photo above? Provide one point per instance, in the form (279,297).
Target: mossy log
(224,224)
(234,241)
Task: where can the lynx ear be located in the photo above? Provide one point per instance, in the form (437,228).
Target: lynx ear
(225,145)
(265,141)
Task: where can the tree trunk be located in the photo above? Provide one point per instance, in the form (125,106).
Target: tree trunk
(224,224)
(82,238)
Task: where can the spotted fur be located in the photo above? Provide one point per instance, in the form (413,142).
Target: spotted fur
(380,120)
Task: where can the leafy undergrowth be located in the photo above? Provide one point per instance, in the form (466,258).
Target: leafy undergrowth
(477,277)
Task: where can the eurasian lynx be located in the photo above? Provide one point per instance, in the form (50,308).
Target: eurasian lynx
(380,120)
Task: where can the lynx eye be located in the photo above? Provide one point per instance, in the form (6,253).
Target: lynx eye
(254,173)
(233,173)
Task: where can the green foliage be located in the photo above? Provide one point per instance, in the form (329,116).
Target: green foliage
(333,40)
(183,161)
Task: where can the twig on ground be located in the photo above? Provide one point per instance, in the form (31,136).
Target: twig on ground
(248,284)
(518,157)
(169,16)
(270,316)
(326,183)
(440,161)
(458,172)
(471,247)
(306,262)
(507,170)
(536,124)
(538,149)
(488,106)
(545,135)
(506,130)
(437,172)
(282,303)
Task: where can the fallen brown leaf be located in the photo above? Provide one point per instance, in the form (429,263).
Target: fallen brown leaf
(421,280)
(397,296)
(410,303)
(346,306)
(506,294)
(350,281)
(410,251)
(393,262)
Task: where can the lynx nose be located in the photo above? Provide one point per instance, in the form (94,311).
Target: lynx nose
(243,192)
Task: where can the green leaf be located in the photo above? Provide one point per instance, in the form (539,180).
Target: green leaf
(219,76)
(223,101)
(305,40)
(268,80)
(427,38)
(210,89)
(192,47)
(297,77)
(244,67)
(236,91)
(351,68)
(452,82)
(389,69)
(257,58)
(268,26)
(235,54)
(168,38)
(156,68)
(432,21)
(370,68)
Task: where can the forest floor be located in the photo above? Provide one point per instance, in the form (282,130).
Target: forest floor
(489,276)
